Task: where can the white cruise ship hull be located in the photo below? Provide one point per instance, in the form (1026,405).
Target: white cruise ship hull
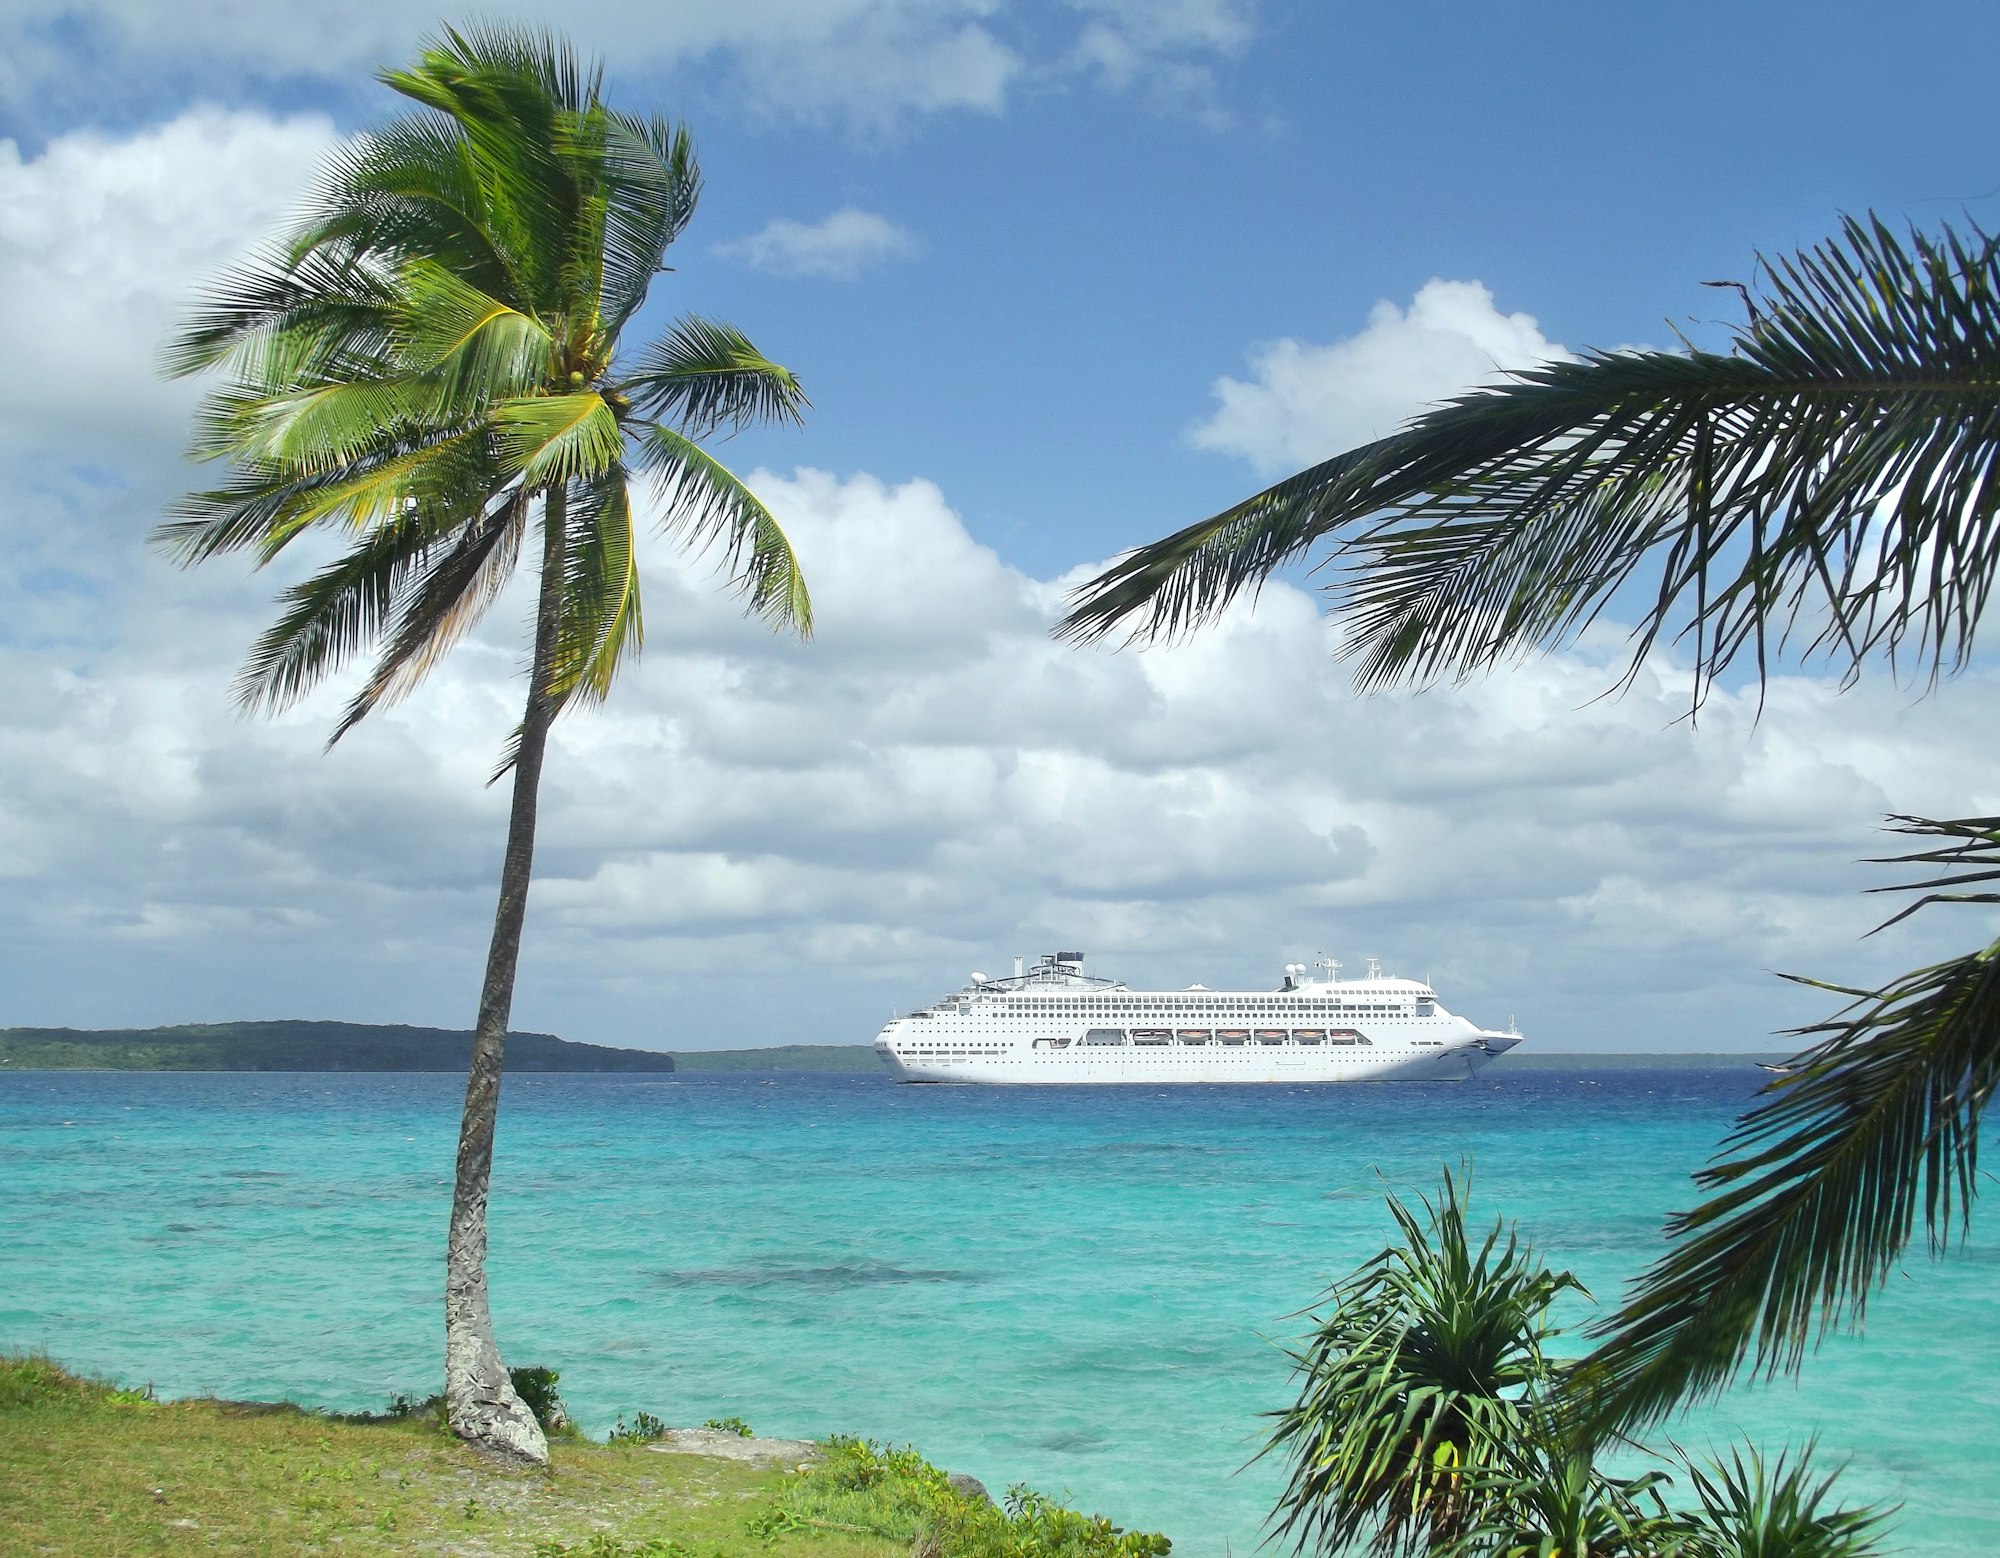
(1452,1063)
(1055,1026)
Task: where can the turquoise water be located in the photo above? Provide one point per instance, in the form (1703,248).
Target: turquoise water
(1080,1289)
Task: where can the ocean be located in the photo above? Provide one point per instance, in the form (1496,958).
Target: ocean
(1086,1290)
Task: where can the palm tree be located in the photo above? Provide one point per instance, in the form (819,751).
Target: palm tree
(1423,1367)
(429,366)
(1830,484)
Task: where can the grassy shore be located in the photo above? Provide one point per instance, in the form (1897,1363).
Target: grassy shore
(91,1471)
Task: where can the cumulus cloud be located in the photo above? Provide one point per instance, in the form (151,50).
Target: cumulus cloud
(839,247)
(864,62)
(1304,403)
(755,829)
(103,240)
(929,786)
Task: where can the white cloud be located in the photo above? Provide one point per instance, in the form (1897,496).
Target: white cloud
(930,785)
(1305,403)
(103,241)
(1164,47)
(839,247)
(864,62)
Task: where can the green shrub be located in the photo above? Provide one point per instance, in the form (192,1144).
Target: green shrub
(645,1429)
(730,1425)
(536,1386)
(33,1379)
(871,1489)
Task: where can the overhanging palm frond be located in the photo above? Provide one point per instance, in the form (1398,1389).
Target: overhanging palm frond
(705,506)
(512,96)
(1835,477)
(478,347)
(1819,1187)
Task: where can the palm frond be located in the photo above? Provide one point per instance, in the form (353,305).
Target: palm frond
(703,375)
(266,507)
(654,183)
(478,348)
(443,603)
(332,615)
(553,440)
(322,429)
(600,626)
(327,296)
(511,94)
(1816,1193)
(1832,484)
(706,506)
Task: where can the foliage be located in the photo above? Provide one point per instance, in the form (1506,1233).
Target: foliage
(436,347)
(33,1379)
(604,1545)
(1833,473)
(1831,484)
(729,1425)
(645,1429)
(1424,1362)
(536,1386)
(1544,1497)
(866,1488)
(1817,1189)
(1750,1510)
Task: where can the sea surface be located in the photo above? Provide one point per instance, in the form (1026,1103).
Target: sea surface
(1088,1290)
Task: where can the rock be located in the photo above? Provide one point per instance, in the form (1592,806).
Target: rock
(969,1486)
(734,1447)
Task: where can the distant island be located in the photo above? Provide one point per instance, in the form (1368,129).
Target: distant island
(299,1046)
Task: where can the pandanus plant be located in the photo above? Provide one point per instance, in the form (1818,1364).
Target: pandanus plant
(430,367)
(1422,1367)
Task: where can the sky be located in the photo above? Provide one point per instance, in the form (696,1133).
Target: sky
(1059,276)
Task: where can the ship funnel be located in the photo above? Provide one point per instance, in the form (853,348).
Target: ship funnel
(1017,965)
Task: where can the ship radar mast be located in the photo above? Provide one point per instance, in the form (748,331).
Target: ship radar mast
(1374,968)
(1332,968)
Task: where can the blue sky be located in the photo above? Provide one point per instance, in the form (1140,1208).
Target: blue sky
(1012,249)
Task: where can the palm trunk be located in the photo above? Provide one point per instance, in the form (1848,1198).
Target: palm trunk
(480,1403)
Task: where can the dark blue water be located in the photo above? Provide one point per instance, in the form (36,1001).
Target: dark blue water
(1085,1289)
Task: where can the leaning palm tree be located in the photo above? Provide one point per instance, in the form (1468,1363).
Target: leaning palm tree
(1423,1367)
(1830,484)
(429,367)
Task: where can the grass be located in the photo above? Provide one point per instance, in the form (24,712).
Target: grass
(91,1471)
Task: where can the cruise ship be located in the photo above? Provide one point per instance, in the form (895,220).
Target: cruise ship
(1055,1023)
